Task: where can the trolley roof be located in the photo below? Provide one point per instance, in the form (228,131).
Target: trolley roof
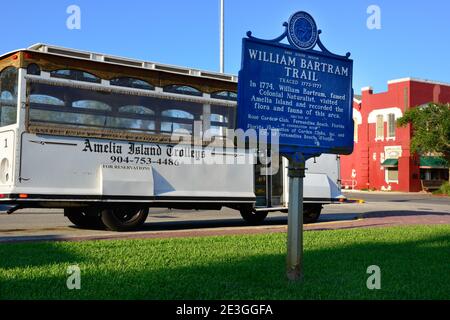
(121,61)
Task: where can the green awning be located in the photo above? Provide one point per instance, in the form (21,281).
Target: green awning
(390,163)
(433,162)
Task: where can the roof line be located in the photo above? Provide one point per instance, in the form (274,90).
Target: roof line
(418,80)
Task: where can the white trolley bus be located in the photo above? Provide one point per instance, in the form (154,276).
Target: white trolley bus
(90,133)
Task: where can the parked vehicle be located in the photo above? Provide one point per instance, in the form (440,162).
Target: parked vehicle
(91,133)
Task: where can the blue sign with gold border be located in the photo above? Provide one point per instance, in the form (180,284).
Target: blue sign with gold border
(305,94)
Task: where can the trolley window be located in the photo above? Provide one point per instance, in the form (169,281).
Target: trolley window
(34,69)
(225,95)
(75,75)
(8,96)
(221,118)
(182,89)
(131,83)
(86,108)
(175,119)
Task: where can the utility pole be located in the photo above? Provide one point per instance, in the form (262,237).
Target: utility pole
(222,32)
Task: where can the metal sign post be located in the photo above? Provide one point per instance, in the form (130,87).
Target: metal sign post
(296,173)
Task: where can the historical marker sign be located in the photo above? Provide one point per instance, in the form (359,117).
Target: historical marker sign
(305,94)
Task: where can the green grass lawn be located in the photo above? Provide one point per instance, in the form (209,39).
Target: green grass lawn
(414,262)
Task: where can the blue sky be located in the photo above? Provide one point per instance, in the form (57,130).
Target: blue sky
(414,39)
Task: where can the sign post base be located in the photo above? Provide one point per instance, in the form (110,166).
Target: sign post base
(296,173)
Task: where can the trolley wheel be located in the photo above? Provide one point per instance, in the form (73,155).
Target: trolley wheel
(84,217)
(252,217)
(311,212)
(124,218)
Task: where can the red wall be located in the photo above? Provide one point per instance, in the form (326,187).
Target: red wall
(365,161)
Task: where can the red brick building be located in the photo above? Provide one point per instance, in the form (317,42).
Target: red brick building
(381,158)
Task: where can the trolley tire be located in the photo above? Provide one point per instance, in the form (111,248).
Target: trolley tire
(124,218)
(311,212)
(253,218)
(84,218)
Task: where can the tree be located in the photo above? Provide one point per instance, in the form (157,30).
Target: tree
(431,128)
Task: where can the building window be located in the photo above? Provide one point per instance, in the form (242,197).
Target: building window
(391,125)
(355,130)
(392,174)
(379,128)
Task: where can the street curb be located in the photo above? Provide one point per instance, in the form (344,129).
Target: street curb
(351,200)
(186,233)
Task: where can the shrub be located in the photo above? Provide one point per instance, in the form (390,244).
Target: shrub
(444,189)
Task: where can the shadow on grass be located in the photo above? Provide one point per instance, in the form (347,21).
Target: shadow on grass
(29,255)
(417,269)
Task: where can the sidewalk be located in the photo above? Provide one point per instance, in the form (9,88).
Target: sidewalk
(386,192)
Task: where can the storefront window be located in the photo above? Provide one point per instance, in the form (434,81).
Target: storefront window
(392,174)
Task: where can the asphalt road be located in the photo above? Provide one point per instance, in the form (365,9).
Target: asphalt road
(42,224)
